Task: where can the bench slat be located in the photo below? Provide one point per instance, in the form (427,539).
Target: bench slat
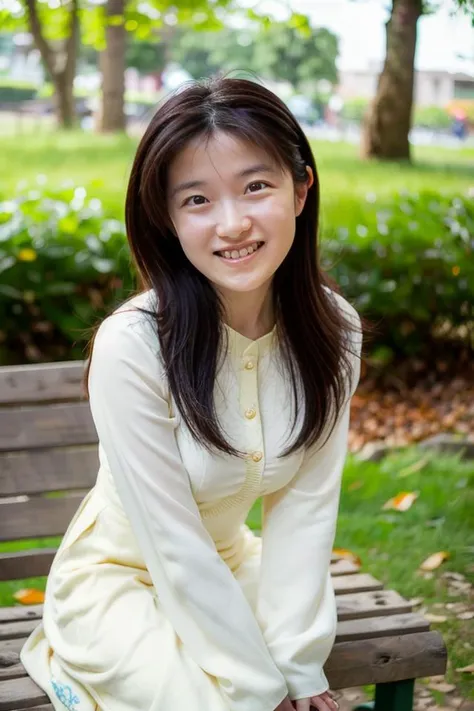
(20,693)
(37,517)
(24,428)
(359,582)
(42,382)
(386,659)
(371,627)
(346,630)
(47,470)
(37,562)
(368,661)
(26,564)
(349,607)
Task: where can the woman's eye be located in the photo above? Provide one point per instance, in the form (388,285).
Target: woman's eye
(257,186)
(195,200)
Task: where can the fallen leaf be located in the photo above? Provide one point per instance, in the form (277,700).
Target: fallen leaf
(402,501)
(435,618)
(434,561)
(467,670)
(355,485)
(347,555)
(29,596)
(441,686)
(413,468)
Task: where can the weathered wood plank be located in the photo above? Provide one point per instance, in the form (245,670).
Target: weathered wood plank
(17,630)
(387,659)
(370,604)
(26,564)
(359,582)
(343,567)
(372,627)
(38,517)
(20,612)
(37,562)
(372,661)
(42,382)
(47,470)
(14,671)
(349,607)
(25,428)
(20,693)
(346,629)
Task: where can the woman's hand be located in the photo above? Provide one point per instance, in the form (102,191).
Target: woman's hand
(323,702)
(285,705)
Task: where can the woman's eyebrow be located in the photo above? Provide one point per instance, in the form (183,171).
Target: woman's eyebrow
(258,168)
(188,185)
(251,170)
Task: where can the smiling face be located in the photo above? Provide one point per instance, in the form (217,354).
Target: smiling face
(234,211)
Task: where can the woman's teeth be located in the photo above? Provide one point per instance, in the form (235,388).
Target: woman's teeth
(238,254)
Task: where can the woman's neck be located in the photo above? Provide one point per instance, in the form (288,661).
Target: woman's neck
(249,313)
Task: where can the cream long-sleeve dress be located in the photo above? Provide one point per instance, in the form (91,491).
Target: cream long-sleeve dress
(160,598)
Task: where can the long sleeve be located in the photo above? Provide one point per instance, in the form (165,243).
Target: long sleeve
(196,589)
(296,608)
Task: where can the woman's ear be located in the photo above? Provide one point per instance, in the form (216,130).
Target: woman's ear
(301,191)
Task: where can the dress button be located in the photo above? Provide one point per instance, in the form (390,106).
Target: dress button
(249,365)
(257,456)
(250,413)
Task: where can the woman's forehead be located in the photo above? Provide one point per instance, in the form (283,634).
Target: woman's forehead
(221,152)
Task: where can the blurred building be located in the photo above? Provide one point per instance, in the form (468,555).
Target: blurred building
(432,87)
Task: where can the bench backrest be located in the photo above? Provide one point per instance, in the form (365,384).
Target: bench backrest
(48,458)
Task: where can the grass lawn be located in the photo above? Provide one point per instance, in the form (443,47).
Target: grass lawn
(391,544)
(104,162)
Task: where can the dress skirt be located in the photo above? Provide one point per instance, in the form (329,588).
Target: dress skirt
(105,643)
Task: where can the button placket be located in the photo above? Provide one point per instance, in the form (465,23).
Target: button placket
(249,407)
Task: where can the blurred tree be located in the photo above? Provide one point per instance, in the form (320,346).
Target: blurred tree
(284,52)
(388,121)
(147,56)
(56,36)
(279,51)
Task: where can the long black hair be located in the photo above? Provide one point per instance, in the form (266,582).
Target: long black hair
(311,328)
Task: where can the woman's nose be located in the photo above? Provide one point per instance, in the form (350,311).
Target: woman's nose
(232,223)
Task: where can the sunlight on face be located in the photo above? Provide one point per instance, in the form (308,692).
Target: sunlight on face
(234,211)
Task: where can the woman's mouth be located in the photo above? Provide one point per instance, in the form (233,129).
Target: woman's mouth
(238,255)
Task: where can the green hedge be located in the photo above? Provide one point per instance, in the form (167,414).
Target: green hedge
(63,265)
(16,91)
(407,263)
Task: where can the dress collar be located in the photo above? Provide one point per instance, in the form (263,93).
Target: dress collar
(240,346)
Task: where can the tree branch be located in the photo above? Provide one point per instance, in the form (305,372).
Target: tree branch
(46,52)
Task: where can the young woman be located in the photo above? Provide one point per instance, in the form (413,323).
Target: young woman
(227,378)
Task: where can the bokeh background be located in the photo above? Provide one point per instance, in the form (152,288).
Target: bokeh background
(385,92)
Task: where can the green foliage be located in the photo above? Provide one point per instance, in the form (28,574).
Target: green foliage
(355,109)
(62,265)
(148,57)
(408,261)
(433,117)
(282,51)
(12,91)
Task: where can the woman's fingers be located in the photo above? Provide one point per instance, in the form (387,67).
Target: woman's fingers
(324,702)
(303,704)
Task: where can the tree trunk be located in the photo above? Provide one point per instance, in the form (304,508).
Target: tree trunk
(112,66)
(60,63)
(388,121)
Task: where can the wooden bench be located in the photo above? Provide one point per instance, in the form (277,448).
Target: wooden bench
(48,444)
